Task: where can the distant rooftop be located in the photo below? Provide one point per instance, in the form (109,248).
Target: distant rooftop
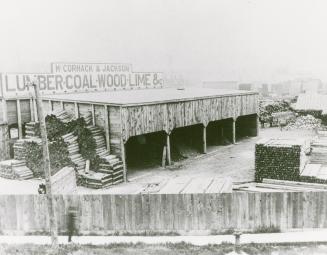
(145,96)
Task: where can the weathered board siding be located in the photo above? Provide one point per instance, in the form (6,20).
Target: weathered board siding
(100,214)
(1,111)
(99,116)
(137,120)
(69,108)
(56,105)
(84,110)
(115,129)
(12,112)
(25,110)
(4,142)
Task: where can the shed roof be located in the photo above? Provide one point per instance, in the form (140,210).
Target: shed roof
(145,96)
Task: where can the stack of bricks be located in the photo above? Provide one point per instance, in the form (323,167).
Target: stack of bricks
(280,159)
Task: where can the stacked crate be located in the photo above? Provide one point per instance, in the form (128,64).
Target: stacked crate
(73,150)
(281,159)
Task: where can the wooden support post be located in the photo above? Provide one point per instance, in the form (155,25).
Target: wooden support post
(164,157)
(32,110)
(36,118)
(106,119)
(93,114)
(204,139)
(50,106)
(168,149)
(234,131)
(19,120)
(123,157)
(62,105)
(76,110)
(257,125)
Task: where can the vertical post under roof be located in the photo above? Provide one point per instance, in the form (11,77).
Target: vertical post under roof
(19,120)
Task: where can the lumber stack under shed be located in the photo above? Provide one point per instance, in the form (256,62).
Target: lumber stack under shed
(32,129)
(73,150)
(62,115)
(282,159)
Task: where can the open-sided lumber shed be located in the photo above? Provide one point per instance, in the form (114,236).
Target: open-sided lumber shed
(125,114)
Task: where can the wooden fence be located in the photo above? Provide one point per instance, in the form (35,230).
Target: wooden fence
(101,214)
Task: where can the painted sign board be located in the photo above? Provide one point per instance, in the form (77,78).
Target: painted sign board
(79,77)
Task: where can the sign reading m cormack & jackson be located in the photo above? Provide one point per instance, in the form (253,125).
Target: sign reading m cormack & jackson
(72,77)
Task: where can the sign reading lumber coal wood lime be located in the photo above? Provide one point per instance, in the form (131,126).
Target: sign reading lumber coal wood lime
(72,77)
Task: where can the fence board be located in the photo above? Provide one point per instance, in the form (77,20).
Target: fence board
(167,212)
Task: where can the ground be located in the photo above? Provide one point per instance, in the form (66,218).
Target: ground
(234,161)
(169,249)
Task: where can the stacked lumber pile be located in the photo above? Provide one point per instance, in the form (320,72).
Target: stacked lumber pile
(73,150)
(32,129)
(15,169)
(305,122)
(96,180)
(62,115)
(19,150)
(280,159)
(21,171)
(319,149)
(114,164)
(270,185)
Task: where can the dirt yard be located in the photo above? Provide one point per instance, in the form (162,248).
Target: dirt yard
(234,161)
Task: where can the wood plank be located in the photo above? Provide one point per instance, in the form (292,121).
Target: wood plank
(175,186)
(197,185)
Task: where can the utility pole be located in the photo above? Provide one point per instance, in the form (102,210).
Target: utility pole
(47,168)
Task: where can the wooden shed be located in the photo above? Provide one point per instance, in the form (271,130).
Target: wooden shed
(126,114)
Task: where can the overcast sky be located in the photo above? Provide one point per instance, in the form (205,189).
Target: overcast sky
(256,40)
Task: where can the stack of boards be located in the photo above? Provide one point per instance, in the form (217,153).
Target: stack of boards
(18,165)
(15,169)
(73,149)
(317,167)
(31,129)
(111,170)
(280,159)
